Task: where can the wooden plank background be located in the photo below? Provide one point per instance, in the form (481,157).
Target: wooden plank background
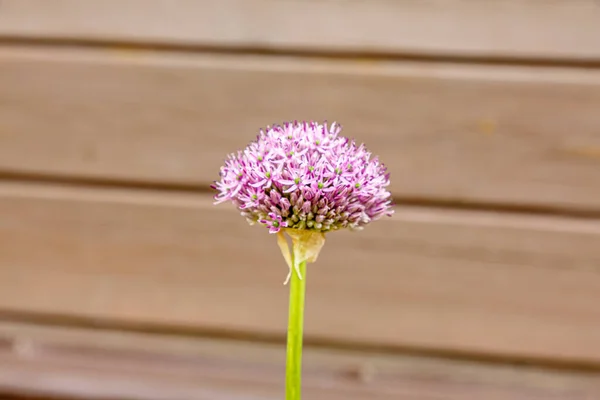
(116,115)
(464,133)
(192,365)
(210,369)
(148,258)
(555,30)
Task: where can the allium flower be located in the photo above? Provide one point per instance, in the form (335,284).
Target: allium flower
(305,180)
(305,176)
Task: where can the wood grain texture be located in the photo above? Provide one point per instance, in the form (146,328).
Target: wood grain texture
(477,283)
(103,364)
(514,28)
(460,133)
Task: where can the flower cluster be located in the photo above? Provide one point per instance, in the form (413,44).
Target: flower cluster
(305,176)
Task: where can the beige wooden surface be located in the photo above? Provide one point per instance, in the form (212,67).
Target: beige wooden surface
(101,98)
(143,367)
(477,283)
(556,29)
(511,135)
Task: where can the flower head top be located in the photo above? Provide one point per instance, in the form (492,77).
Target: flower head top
(305,176)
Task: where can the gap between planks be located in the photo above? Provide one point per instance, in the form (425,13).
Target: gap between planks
(8,176)
(180,58)
(200,199)
(309,55)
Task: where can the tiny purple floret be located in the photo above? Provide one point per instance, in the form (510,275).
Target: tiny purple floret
(305,176)
(274,223)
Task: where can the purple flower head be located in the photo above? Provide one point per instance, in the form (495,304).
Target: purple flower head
(305,176)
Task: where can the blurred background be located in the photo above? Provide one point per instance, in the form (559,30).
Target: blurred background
(120,280)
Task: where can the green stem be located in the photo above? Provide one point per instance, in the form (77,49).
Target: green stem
(293,368)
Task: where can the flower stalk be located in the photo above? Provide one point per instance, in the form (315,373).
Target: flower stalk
(293,370)
(304,180)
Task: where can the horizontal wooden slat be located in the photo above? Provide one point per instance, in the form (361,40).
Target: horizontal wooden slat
(465,133)
(510,286)
(515,28)
(103,364)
